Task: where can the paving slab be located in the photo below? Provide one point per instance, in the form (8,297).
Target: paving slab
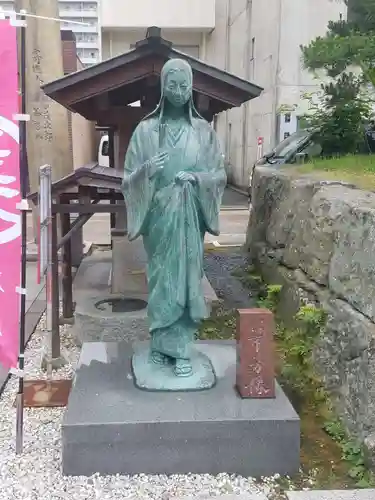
(234,198)
(112,427)
(243,496)
(368,494)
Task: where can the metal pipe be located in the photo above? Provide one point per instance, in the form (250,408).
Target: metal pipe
(245,113)
(23,185)
(227,68)
(55,333)
(276,92)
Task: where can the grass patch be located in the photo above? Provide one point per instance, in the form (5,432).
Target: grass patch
(220,326)
(355,169)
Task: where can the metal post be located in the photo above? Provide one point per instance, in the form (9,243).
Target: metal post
(23,183)
(67,280)
(55,333)
(45,255)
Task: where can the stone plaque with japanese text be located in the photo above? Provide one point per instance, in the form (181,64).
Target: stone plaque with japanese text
(48,139)
(255,354)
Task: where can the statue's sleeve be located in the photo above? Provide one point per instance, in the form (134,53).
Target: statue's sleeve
(137,187)
(211,181)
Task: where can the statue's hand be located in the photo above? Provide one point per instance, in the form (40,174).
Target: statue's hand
(156,163)
(185,177)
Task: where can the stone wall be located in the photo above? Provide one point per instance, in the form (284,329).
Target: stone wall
(317,239)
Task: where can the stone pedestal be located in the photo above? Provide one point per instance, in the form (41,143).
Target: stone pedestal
(112,427)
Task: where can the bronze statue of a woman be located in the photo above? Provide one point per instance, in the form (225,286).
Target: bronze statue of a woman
(173,185)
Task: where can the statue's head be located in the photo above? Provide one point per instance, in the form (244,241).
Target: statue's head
(177,82)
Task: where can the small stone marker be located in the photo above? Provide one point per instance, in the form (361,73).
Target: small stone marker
(255,354)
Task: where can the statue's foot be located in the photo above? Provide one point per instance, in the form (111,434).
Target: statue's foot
(159,358)
(183,368)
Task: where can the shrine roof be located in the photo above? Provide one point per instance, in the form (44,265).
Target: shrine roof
(129,77)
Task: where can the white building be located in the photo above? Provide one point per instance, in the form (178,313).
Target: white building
(88,37)
(254,39)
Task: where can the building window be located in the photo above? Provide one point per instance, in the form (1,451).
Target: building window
(252,53)
(252,59)
(287,118)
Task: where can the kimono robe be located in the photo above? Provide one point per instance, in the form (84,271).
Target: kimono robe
(173,217)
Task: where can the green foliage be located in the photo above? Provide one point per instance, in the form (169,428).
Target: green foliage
(340,116)
(313,319)
(269,298)
(358,170)
(347,43)
(343,109)
(297,346)
(352,453)
(220,326)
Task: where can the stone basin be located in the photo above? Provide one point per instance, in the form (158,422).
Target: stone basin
(111,317)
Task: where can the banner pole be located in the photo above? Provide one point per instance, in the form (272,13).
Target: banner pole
(23,183)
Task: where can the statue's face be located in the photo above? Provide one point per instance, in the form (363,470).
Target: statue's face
(177,88)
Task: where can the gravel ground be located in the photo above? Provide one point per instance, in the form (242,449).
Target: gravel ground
(35,475)
(219,268)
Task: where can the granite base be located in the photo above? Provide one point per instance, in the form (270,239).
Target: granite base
(111,427)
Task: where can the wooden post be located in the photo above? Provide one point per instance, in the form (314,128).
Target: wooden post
(67,279)
(55,292)
(255,354)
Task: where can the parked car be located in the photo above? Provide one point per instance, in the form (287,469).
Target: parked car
(303,146)
(103,151)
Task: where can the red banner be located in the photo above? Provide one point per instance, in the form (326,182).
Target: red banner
(10,218)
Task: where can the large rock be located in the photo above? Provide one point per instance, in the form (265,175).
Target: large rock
(317,239)
(326,229)
(345,359)
(352,266)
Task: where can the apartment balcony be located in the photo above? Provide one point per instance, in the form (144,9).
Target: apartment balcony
(89,61)
(87,45)
(90,14)
(192,15)
(78,28)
